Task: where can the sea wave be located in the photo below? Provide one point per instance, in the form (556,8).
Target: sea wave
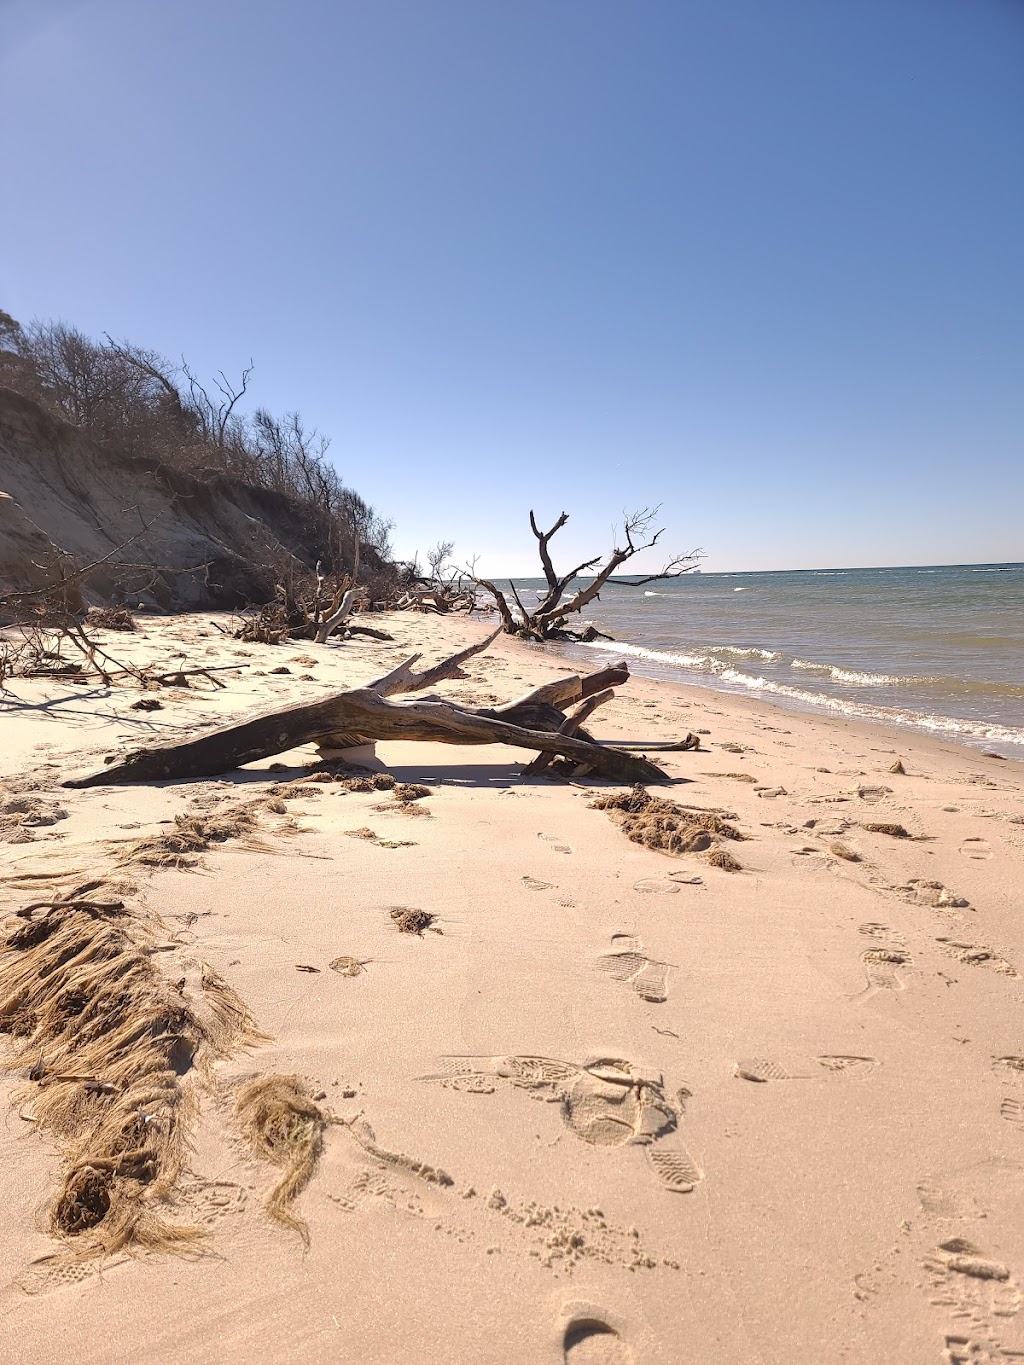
(747,652)
(887,715)
(851,675)
(706,664)
(853,678)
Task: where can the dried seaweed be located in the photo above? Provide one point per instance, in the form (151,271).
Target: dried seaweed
(283,1124)
(664,825)
(409,920)
(111,1048)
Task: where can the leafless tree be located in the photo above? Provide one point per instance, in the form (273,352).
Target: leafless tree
(548,619)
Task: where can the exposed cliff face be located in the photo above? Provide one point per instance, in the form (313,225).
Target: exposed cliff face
(213,542)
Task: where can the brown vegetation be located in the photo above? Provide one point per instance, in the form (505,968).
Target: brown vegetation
(666,826)
(112,1050)
(284,1125)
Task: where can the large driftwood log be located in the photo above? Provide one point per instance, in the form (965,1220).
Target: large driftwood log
(535,721)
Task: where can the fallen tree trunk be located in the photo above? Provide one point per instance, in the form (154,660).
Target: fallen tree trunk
(363,715)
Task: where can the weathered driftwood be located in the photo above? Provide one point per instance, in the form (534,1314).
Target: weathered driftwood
(535,721)
(336,618)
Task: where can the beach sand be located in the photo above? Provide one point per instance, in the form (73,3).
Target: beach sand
(622,1106)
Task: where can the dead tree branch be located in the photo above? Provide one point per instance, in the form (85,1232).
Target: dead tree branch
(547,620)
(535,722)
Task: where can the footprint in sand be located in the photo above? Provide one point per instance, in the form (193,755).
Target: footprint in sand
(978,849)
(881,962)
(589,1339)
(557,845)
(656,886)
(605,1103)
(534,884)
(628,963)
(980,1293)
(764,1069)
(881,933)
(50,1273)
(1012,1110)
(978,955)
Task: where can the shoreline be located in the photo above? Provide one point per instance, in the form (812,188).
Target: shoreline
(608,1091)
(696,692)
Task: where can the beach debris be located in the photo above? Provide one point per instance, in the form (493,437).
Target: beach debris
(147,704)
(305,967)
(723,860)
(535,721)
(110,618)
(113,1050)
(20,815)
(735,777)
(410,920)
(195,834)
(665,825)
(898,767)
(839,850)
(893,831)
(282,1123)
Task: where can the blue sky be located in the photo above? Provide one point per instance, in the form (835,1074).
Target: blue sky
(759,261)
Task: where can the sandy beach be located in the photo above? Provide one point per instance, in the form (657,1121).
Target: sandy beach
(610,1105)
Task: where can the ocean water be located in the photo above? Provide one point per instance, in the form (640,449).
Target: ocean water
(938,649)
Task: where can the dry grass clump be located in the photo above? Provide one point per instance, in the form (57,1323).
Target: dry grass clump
(20,815)
(723,859)
(411,791)
(110,1045)
(364,832)
(111,618)
(403,808)
(894,831)
(283,1125)
(409,920)
(147,704)
(839,850)
(664,825)
(194,834)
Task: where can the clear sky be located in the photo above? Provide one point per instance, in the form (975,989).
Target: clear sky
(761,261)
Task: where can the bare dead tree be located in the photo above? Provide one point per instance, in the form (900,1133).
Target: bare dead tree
(548,619)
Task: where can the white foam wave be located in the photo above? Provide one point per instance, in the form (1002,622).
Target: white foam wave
(747,652)
(703,662)
(887,715)
(850,675)
(654,594)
